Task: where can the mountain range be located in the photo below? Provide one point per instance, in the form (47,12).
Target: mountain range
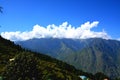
(17,63)
(91,55)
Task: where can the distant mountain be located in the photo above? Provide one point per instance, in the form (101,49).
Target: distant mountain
(53,46)
(91,55)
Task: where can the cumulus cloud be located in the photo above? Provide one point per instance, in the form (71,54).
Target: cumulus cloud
(64,30)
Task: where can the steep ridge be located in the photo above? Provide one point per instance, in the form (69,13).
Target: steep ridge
(100,56)
(52,46)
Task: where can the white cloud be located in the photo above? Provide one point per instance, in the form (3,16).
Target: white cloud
(64,30)
(118,39)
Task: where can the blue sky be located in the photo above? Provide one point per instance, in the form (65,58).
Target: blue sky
(22,15)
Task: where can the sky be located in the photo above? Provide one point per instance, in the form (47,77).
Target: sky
(77,19)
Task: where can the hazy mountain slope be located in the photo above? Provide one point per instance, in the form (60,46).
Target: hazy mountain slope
(53,46)
(92,60)
(100,56)
(92,55)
